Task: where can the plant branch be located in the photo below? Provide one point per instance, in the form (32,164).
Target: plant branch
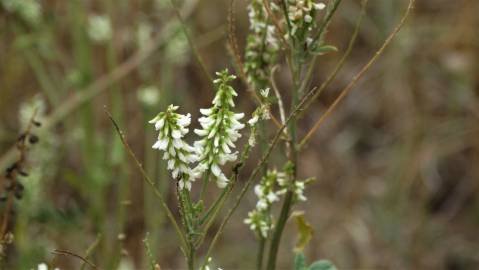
(191,43)
(346,54)
(358,76)
(69,253)
(150,182)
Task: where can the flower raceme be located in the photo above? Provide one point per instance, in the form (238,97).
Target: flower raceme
(271,187)
(262,45)
(268,191)
(172,128)
(220,128)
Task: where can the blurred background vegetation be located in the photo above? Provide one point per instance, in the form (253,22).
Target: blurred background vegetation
(397,165)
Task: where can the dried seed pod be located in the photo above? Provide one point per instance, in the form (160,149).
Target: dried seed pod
(18,194)
(33,139)
(20,186)
(37,123)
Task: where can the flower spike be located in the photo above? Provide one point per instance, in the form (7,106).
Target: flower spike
(172,128)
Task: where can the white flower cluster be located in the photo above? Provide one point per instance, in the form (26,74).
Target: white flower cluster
(172,128)
(298,190)
(99,28)
(220,128)
(302,14)
(272,186)
(262,45)
(261,113)
(268,192)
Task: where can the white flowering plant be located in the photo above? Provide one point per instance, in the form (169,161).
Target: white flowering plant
(295,30)
(221,127)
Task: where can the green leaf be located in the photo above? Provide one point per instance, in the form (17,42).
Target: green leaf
(305,231)
(322,265)
(299,262)
(324,49)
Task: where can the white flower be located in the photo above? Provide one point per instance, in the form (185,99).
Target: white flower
(302,14)
(99,28)
(299,191)
(319,6)
(264,92)
(149,95)
(220,128)
(172,128)
(261,113)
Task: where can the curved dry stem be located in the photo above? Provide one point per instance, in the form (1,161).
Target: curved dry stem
(191,43)
(158,194)
(358,76)
(342,61)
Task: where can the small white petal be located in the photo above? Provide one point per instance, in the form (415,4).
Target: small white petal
(216,170)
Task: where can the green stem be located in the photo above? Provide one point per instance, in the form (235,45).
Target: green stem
(296,68)
(278,232)
(204,185)
(259,259)
(191,258)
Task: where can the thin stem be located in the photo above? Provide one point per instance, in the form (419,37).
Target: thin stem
(69,253)
(348,51)
(150,182)
(282,113)
(191,258)
(284,6)
(261,248)
(327,20)
(358,76)
(278,231)
(191,43)
(90,250)
(293,157)
(204,185)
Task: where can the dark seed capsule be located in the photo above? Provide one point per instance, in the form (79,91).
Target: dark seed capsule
(23,173)
(36,123)
(20,186)
(33,139)
(18,195)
